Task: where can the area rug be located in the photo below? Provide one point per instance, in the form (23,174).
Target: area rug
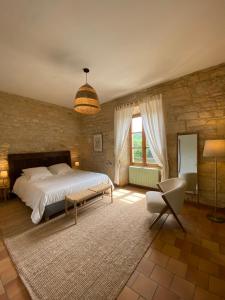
(90,260)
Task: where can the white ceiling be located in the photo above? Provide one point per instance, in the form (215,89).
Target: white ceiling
(127,44)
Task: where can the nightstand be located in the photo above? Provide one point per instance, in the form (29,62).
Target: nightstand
(75,168)
(76,165)
(4,193)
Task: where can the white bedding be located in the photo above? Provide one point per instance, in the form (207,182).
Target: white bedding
(46,191)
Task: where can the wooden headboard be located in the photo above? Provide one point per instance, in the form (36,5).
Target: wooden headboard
(18,162)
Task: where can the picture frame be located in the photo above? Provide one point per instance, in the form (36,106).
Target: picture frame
(98,142)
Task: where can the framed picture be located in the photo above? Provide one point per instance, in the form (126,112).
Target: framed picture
(98,142)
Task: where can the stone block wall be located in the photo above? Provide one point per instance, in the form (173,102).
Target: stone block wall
(193,103)
(29,125)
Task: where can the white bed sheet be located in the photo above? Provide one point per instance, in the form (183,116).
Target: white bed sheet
(43,192)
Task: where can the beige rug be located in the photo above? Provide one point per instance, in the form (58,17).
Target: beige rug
(92,260)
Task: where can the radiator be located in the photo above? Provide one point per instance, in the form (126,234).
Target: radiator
(143,176)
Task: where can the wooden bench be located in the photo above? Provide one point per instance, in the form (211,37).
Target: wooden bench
(80,198)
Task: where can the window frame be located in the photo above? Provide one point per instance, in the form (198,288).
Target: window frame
(144,163)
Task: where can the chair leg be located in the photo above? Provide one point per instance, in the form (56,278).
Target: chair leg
(173,212)
(163,211)
(178,221)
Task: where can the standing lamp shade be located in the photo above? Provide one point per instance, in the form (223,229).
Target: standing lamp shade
(214,148)
(86,100)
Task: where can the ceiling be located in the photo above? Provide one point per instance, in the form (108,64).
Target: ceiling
(127,44)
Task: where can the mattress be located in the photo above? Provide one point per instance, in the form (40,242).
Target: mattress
(37,195)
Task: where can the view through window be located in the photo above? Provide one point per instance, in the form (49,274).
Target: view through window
(140,149)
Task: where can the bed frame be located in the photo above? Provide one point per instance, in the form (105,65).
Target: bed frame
(18,162)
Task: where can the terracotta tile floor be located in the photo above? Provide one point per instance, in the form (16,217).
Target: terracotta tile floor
(185,266)
(176,266)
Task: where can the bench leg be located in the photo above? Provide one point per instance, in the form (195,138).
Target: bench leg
(111,192)
(75,212)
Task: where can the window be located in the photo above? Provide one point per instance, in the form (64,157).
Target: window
(140,150)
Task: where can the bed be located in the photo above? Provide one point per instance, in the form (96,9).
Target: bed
(46,197)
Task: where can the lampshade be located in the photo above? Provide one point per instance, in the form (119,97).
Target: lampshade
(214,148)
(4,174)
(86,100)
(77,163)
(4,165)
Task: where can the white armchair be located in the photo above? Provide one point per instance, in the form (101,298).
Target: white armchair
(169,199)
(191,180)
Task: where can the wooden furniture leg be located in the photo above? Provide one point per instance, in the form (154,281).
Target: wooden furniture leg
(75,212)
(178,221)
(163,211)
(111,192)
(173,212)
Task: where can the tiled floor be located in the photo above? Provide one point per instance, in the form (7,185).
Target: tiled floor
(176,266)
(182,266)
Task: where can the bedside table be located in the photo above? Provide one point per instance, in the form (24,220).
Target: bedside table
(4,193)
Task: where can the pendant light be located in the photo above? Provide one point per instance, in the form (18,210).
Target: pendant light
(86,100)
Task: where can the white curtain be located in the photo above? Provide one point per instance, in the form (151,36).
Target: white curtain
(151,109)
(122,123)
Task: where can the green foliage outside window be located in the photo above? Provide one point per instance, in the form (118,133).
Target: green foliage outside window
(137,143)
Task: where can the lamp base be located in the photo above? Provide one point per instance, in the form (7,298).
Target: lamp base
(215,218)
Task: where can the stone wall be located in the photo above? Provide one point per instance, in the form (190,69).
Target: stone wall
(29,125)
(193,103)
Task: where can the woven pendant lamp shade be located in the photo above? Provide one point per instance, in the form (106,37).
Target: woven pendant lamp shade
(86,100)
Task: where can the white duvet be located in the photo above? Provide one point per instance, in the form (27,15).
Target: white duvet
(52,189)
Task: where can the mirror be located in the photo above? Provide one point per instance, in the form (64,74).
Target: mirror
(187,149)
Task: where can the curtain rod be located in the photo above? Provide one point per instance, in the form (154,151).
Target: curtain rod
(126,105)
(136,102)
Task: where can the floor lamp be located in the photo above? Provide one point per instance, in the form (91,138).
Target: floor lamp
(215,149)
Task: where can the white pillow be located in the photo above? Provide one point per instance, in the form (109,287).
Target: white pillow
(59,169)
(37,173)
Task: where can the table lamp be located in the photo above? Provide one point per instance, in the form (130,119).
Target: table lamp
(77,163)
(4,171)
(215,149)
(4,177)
